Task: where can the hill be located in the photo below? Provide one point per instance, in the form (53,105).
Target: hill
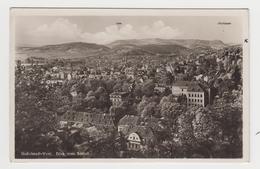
(188,43)
(119,48)
(65,50)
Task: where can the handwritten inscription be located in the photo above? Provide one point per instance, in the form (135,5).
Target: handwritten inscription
(224,23)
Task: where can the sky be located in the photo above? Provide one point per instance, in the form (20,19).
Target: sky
(45,30)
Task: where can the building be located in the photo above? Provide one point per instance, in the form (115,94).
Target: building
(192,90)
(80,119)
(129,72)
(180,88)
(139,138)
(195,96)
(127,122)
(118,97)
(159,88)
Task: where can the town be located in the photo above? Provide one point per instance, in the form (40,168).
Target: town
(133,105)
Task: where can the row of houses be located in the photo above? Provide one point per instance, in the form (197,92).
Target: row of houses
(138,134)
(86,119)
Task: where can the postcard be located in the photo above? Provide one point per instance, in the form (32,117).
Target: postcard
(129,84)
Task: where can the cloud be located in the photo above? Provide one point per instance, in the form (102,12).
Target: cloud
(62,30)
(59,31)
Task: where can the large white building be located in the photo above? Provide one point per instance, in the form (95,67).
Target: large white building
(194,93)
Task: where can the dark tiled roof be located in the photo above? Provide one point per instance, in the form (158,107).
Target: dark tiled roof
(129,120)
(181,83)
(88,118)
(192,86)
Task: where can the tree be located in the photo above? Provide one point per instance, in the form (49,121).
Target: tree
(171,110)
(90,100)
(142,104)
(32,117)
(148,88)
(118,112)
(149,110)
(184,132)
(138,91)
(229,145)
(236,76)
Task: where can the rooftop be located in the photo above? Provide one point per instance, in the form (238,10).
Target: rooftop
(192,86)
(129,120)
(182,83)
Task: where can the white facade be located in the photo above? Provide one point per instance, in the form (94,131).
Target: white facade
(195,98)
(134,141)
(179,90)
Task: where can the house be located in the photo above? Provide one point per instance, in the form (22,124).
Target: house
(159,88)
(129,72)
(192,90)
(139,138)
(115,74)
(95,76)
(118,97)
(87,119)
(180,88)
(127,122)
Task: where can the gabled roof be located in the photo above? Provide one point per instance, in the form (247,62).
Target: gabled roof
(129,120)
(86,118)
(192,86)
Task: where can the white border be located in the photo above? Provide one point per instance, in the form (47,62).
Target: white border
(242,13)
(253,5)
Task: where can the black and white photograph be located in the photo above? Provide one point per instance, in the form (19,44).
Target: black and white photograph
(129,84)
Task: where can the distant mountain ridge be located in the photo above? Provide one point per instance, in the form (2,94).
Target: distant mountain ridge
(65,50)
(182,47)
(188,43)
